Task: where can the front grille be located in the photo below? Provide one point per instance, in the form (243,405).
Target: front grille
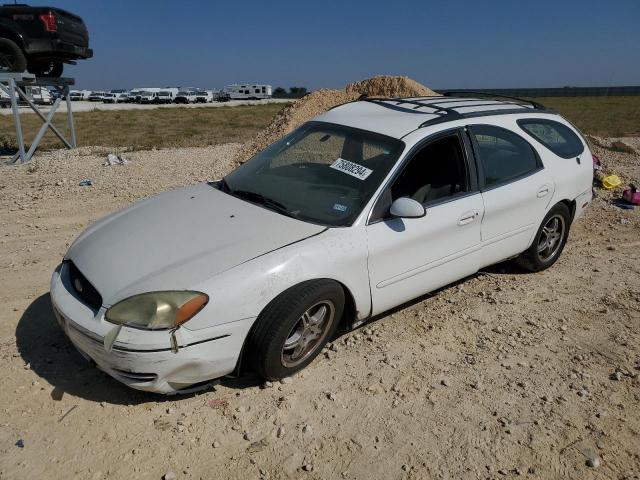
(83,288)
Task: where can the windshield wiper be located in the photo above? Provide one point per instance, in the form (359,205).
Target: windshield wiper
(262,200)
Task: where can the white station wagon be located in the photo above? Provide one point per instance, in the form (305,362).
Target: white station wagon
(371,204)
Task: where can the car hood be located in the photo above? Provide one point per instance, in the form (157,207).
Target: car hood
(178,239)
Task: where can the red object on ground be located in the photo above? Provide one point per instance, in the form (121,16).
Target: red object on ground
(596,162)
(632,195)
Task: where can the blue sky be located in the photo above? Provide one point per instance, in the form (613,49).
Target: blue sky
(455,44)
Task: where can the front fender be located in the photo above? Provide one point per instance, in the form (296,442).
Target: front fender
(243,291)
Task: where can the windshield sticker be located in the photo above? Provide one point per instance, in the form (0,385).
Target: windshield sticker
(351,168)
(339,207)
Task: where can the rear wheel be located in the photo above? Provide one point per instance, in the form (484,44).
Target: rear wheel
(293,328)
(11,57)
(549,240)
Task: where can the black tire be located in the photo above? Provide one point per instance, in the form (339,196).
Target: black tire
(12,58)
(535,260)
(279,321)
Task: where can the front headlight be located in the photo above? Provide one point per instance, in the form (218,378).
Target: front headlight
(157,310)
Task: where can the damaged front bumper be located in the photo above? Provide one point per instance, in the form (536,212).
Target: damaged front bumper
(143,359)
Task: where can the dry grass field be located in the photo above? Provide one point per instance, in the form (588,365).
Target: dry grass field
(146,129)
(184,127)
(602,116)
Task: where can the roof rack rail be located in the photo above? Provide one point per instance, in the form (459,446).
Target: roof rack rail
(476,93)
(436,109)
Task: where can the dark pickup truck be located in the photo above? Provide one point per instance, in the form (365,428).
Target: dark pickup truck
(40,39)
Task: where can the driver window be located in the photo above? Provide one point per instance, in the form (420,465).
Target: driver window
(435,172)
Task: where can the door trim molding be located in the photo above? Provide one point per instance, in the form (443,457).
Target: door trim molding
(428,266)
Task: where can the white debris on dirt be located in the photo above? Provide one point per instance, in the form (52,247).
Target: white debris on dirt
(322,100)
(113,159)
(523,397)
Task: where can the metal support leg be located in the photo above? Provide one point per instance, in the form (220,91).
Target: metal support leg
(11,84)
(43,130)
(18,157)
(72,128)
(34,107)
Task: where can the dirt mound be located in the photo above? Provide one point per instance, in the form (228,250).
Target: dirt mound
(386,86)
(322,100)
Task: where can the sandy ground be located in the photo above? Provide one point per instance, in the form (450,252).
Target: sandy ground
(503,375)
(82,106)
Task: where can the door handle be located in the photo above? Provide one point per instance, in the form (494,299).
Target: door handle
(468,217)
(543,190)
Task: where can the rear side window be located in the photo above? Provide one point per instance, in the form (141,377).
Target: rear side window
(555,136)
(504,156)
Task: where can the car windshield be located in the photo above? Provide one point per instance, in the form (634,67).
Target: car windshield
(320,173)
(163,94)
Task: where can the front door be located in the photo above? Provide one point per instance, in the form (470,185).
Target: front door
(410,257)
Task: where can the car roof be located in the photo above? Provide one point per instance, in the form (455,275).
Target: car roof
(396,117)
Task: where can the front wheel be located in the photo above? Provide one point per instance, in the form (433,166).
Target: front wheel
(549,240)
(292,330)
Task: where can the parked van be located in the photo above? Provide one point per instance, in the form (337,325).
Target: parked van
(186,96)
(96,96)
(167,95)
(113,97)
(136,94)
(78,95)
(39,95)
(248,92)
(205,96)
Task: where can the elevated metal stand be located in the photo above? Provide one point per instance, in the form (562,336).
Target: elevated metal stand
(13,85)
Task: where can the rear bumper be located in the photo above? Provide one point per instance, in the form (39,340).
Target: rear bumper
(143,359)
(57,49)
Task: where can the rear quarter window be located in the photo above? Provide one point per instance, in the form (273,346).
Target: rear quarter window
(557,137)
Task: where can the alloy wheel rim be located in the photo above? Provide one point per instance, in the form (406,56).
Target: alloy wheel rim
(308,333)
(550,239)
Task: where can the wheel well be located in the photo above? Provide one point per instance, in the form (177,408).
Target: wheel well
(349,311)
(14,37)
(571,205)
(347,316)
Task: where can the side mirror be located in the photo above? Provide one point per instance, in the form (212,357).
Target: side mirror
(405,207)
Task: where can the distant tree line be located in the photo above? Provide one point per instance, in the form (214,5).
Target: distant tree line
(294,92)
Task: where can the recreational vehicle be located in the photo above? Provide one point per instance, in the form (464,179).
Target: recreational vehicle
(248,92)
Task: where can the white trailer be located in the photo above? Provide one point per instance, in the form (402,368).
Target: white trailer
(248,92)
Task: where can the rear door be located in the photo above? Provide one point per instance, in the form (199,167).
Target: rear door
(516,191)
